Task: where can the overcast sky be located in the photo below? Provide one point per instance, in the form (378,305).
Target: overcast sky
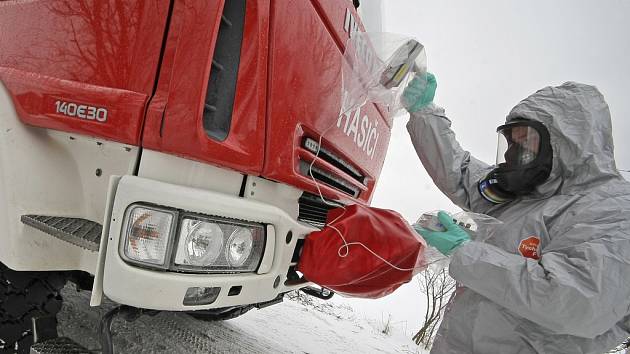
(487,56)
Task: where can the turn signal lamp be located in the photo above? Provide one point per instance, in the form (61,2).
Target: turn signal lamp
(147,235)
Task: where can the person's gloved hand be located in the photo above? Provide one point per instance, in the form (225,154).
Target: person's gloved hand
(445,241)
(420,92)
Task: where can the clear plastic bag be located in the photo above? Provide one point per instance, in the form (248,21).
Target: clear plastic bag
(348,255)
(377,67)
(480,227)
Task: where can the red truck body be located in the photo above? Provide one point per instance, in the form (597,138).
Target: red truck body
(149,62)
(162,153)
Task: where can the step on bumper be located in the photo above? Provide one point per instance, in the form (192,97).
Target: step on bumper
(79,232)
(62,345)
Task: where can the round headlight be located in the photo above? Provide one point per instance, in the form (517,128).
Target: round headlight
(204,244)
(239,247)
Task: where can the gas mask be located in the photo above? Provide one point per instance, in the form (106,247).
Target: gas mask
(524,160)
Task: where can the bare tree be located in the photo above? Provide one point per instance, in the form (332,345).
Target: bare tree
(437,286)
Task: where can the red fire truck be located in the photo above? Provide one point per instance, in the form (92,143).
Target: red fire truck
(157,152)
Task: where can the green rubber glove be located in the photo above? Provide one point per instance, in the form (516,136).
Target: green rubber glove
(445,241)
(420,92)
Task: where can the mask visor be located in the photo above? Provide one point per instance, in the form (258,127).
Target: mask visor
(518,145)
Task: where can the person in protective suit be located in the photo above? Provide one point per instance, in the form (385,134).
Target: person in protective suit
(555,278)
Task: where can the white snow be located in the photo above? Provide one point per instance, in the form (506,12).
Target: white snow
(315,326)
(302,325)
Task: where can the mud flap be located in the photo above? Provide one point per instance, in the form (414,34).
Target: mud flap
(97,288)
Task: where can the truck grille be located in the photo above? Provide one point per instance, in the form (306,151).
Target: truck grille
(330,168)
(330,157)
(313,210)
(328,178)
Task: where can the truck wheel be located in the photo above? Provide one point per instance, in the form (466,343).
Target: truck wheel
(221,314)
(24,295)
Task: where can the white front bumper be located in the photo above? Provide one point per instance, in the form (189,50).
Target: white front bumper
(162,290)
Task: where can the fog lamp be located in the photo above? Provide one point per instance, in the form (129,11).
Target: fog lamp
(201,296)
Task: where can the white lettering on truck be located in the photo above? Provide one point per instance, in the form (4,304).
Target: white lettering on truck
(360,128)
(82,111)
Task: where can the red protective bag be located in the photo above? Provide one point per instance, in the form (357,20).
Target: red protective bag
(361,273)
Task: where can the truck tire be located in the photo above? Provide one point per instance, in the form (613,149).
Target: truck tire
(222,314)
(24,295)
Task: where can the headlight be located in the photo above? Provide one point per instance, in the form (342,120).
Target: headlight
(218,245)
(147,235)
(239,247)
(202,243)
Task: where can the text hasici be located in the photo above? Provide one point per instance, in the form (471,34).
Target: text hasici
(362,130)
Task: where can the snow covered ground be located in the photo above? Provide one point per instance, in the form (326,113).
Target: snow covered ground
(304,325)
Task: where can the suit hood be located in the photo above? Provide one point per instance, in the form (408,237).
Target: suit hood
(580,130)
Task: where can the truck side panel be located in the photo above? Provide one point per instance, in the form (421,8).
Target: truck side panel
(48,172)
(64,105)
(62,62)
(83,66)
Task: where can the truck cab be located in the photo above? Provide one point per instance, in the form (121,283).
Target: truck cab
(174,154)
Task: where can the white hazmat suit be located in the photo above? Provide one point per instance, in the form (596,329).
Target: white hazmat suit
(576,297)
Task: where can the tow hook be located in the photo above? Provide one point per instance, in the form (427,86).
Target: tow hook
(321,293)
(130,314)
